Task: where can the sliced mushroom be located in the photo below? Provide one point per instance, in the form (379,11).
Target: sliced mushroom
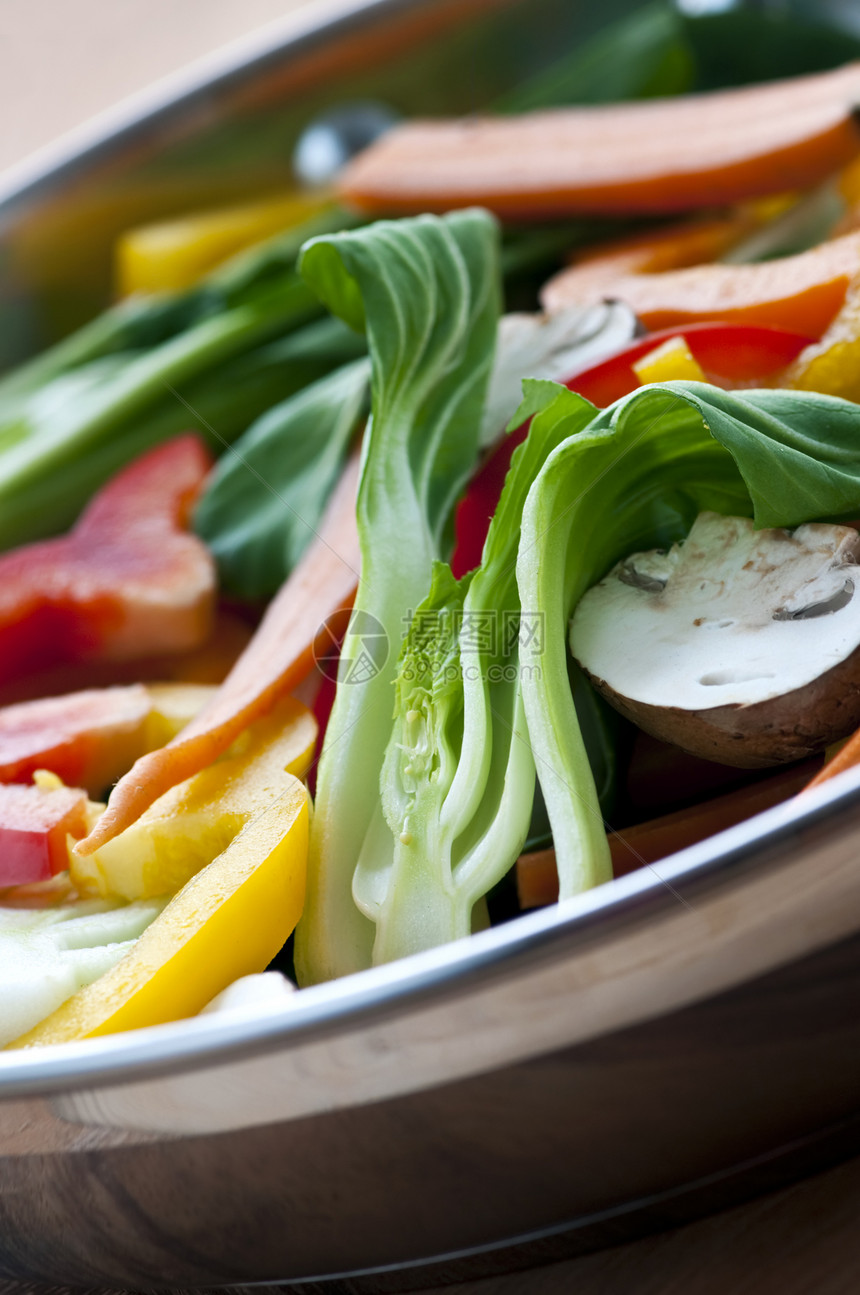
(737,645)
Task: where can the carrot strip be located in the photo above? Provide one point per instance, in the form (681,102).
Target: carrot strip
(537,882)
(691,242)
(802,292)
(666,155)
(275,661)
(847,757)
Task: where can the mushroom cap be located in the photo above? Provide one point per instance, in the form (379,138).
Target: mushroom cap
(737,645)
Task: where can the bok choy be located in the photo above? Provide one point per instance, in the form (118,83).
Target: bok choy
(426,291)
(632,477)
(146,370)
(458,780)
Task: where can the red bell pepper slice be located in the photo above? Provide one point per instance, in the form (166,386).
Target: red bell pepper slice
(127,581)
(34,822)
(87,738)
(733,353)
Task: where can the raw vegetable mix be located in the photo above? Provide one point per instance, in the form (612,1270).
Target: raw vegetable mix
(446,505)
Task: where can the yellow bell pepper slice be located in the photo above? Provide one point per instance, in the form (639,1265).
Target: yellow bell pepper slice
(671,361)
(187,827)
(173,706)
(228,921)
(832,364)
(174,254)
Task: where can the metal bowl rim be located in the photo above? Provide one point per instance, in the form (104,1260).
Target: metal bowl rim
(234,62)
(719,861)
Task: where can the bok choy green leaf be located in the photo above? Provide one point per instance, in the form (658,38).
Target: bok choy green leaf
(266,494)
(632,477)
(426,291)
(146,370)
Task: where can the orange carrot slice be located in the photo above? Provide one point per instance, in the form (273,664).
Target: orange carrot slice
(691,242)
(635,847)
(656,156)
(845,758)
(802,292)
(276,660)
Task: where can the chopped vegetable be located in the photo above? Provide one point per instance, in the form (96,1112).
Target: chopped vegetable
(659,156)
(747,642)
(34,823)
(263,502)
(670,361)
(549,346)
(228,921)
(831,363)
(802,292)
(654,250)
(87,738)
(187,827)
(126,581)
(90,738)
(263,499)
(427,292)
(175,254)
(278,658)
(781,225)
(731,354)
(457,784)
(47,954)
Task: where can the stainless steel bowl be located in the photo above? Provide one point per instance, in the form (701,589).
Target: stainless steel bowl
(657,1047)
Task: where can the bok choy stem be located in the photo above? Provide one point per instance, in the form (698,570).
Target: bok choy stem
(427,293)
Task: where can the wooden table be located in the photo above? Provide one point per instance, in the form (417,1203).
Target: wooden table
(61,64)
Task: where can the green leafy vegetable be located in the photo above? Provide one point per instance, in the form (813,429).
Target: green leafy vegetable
(765,43)
(633,477)
(143,372)
(657,50)
(458,780)
(640,55)
(427,293)
(266,495)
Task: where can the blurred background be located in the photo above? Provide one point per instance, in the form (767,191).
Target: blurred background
(61,64)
